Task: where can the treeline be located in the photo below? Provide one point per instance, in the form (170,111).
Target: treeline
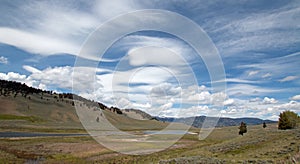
(14,89)
(8,88)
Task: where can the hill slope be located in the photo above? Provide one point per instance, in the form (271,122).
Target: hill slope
(26,107)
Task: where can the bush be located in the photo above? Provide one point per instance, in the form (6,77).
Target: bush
(288,120)
(243,128)
(264,125)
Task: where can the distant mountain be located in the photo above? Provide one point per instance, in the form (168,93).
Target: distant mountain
(223,121)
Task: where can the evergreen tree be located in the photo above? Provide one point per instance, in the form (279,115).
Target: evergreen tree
(243,128)
(287,120)
(264,125)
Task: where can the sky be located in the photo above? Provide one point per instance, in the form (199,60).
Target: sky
(258,41)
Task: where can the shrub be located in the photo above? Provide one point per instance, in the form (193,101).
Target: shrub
(243,128)
(287,120)
(264,125)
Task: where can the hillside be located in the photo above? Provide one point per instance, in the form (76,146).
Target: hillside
(24,107)
(137,114)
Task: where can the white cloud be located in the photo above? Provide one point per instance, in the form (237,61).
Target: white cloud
(251,73)
(46,27)
(192,111)
(277,67)
(237,80)
(273,117)
(296,97)
(31,69)
(56,77)
(218,98)
(110,9)
(267,21)
(267,108)
(60,76)
(149,55)
(161,51)
(249,90)
(166,106)
(12,76)
(162,110)
(288,78)
(36,43)
(256,99)
(292,105)
(141,106)
(229,102)
(3,60)
(260,31)
(165,90)
(202,97)
(268,100)
(232,111)
(148,75)
(266,75)
(196,111)
(73,20)
(112,86)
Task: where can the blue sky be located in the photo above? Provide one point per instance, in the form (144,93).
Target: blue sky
(258,41)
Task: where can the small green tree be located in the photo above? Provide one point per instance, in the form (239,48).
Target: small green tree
(243,128)
(287,120)
(264,125)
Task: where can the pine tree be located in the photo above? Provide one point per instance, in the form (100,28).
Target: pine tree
(264,125)
(243,128)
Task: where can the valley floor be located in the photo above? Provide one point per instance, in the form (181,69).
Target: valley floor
(224,145)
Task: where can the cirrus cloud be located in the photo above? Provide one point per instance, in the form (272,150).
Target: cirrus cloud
(288,78)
